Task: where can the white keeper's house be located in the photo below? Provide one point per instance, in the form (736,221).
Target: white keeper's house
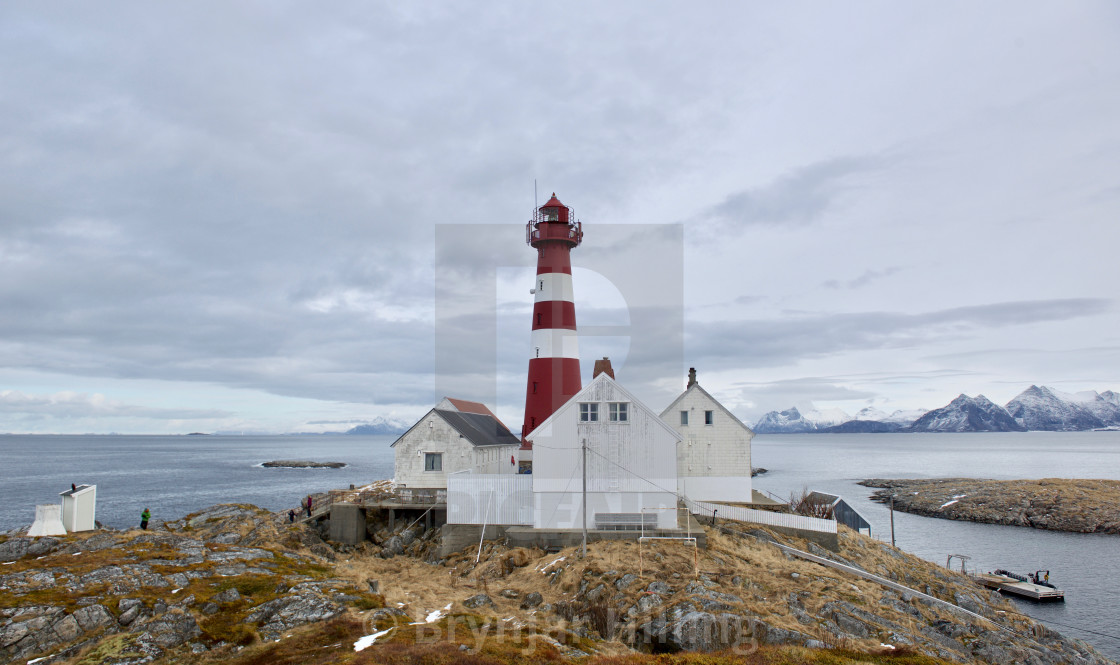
(456,435)
(714,454)
(631,462)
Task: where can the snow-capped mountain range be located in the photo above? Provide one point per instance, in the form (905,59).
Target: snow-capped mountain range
(381,425)
(1036,408)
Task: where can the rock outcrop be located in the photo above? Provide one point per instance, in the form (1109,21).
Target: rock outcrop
(1054,504)
(237,585)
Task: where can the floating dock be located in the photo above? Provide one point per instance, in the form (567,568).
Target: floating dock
(1010,585)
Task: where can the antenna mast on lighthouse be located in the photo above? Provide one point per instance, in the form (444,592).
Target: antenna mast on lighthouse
(554,355)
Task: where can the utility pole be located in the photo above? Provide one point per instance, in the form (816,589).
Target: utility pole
(583,447)
(892,520)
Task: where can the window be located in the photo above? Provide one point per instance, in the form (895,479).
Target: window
(433,461)
(588,413)
(619,412)
(684,417)
(709,417)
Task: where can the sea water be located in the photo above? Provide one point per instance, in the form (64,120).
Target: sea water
(176,475)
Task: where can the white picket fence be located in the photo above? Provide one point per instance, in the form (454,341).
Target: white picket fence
(474,498)
(763,517)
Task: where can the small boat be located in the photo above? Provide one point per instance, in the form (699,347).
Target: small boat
(1035,586)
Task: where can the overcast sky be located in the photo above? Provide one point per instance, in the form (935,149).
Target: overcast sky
(225,216)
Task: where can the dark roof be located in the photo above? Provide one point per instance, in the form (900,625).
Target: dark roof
(479,429)
(78,490)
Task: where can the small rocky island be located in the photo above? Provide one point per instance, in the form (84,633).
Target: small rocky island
(1055,504)
(302,464)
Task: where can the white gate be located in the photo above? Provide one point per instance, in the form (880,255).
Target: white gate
(489,499)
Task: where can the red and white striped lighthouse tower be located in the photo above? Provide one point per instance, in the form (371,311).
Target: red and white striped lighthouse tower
(554,360)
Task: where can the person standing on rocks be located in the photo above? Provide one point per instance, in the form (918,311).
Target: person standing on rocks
(144,517)
(308,505)
(292,515)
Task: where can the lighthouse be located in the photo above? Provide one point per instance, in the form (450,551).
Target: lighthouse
(554,354)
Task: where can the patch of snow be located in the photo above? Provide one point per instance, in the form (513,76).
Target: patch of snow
(75,554)
(176,590)
(886,646)
(959,496)
(9,563)
(368,640)
(948,503)
(432,616)
(545,568)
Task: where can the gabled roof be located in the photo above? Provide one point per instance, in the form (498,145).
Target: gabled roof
(713,400)
(581,396)
(467,406)
(479,429)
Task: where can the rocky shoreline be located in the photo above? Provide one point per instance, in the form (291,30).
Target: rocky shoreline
(1055,504)
(237,584)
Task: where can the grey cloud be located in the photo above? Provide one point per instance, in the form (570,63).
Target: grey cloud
(79,405)
(796,198)
(864,279)
(773,343)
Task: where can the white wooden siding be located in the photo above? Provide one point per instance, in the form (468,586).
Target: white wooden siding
(433,434)
(720,452)
(630,465)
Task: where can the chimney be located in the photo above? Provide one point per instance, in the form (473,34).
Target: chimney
(691,377)
(602,366)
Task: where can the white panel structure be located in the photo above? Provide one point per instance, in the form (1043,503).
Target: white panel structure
(48,521)
(714,454)
(79,508)
(764,517)
(631,462)
(489,499)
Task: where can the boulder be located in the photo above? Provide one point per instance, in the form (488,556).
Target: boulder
(281,614)
(170,630)
(531,600)
(477,600)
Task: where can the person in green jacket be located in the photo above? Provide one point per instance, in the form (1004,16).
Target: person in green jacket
(144,517)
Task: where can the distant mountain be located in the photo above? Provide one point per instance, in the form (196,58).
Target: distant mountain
(381,426)
(1045,409)
(863,427)
(1036,408)
(967,414)
(793,421)
(1105,406)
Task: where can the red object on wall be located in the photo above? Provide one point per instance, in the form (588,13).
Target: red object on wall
(554,364)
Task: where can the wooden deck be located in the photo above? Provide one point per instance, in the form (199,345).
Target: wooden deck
(1012,586)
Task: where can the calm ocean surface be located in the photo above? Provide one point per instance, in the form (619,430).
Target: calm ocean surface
(176,475)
